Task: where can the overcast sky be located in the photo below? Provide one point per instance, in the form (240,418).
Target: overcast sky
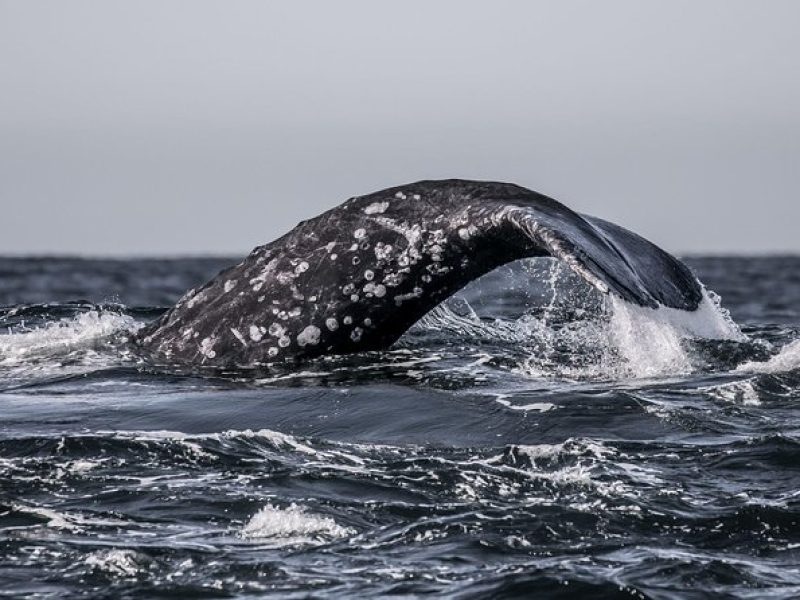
(166,127)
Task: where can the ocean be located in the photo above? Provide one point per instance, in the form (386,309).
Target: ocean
(528,438)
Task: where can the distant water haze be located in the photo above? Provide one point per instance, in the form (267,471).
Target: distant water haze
(164,128)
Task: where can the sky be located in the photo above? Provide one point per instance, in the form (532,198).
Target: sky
(165,127)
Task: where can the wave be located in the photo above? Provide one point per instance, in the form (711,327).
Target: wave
(571,332)
(173,503)
(88,339)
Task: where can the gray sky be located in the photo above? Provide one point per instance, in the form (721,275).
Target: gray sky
(166,127)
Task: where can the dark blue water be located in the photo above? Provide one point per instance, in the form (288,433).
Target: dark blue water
(531,439)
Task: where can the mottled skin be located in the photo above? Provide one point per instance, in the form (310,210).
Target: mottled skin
(358,276)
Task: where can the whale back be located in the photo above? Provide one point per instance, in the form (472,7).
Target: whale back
(356,277)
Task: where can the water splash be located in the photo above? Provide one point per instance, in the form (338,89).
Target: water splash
(577,333)
(653,342)
(84,331)
(81,343)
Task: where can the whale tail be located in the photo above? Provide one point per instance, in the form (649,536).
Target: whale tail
(358,276)
(609,257)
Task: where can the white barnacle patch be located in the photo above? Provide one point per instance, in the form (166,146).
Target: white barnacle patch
(195,299)
(383,251)
(255,333)
(368,322)
(207,348)
(187,295)
(355,335)
(334,256)
(438,268)
(301,268)
(348,320)
(332,324)
(354,298)
(416,197)
(359,233)
(273,351)
(276,330)
(369,275)
(238,335)
(439,236)
(285,277)
(284,341)
(393,279)
(261,298)
(463,233)
(399,299)
(400,196)
(375,289)
(348,289)
(309,336)
(229,285)
(356,260)
(265,273)
(376,208)
(257,287)
(330,246)
(295,312)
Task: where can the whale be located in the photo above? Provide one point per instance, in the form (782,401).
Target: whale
(358,276)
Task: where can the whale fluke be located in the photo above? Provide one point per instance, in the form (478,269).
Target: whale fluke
(357,277)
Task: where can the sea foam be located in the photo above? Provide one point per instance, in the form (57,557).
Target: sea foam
(292,526)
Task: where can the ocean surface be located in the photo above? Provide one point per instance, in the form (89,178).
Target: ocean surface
(530,438)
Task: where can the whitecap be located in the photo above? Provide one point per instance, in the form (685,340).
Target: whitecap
(119,562)
(788,359)
(292,526)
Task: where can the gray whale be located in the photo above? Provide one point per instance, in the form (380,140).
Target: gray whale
(356,277)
